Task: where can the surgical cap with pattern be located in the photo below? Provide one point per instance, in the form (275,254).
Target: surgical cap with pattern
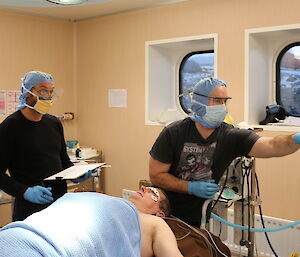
(31,79)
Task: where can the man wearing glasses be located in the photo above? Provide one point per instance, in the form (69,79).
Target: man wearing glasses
(32,148)
(214,144)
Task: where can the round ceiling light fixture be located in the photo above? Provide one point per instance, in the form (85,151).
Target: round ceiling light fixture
(67,2)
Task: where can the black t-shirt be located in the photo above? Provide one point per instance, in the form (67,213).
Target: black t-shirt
(31,151)
(194,158)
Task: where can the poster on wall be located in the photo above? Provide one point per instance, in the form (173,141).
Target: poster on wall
(2,102)
(12,101)
(9,101)
(117,98)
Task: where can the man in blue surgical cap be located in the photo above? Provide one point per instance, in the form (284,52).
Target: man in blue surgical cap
(32,148)
(190,155)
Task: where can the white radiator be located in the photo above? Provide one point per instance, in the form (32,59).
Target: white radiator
(284,242)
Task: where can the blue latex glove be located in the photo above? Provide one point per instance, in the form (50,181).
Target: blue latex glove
(202,189)
(84,177)
(38,194)
(296,138)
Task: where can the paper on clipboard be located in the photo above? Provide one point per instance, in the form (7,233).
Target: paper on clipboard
(75,171)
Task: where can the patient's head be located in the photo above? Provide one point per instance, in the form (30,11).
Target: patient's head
(151,200)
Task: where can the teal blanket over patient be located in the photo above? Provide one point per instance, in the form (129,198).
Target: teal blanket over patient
(78,224)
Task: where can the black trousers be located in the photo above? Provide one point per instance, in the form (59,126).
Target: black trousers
(23,208)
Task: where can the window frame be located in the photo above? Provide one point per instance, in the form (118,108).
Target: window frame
(183,61)
(277,72)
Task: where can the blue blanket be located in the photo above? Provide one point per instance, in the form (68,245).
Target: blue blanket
(77,224)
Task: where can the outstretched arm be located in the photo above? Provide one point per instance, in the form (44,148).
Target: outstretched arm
(266,147)
(164,242)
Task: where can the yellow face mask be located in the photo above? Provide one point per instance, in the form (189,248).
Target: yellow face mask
(43,106)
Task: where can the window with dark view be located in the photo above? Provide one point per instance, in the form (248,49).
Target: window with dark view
(194,66)
(288,79)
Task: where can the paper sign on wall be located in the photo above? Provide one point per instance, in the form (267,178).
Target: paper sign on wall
(117,98)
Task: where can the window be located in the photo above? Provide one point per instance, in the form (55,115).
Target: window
(194,66)
(288,79)
(163,59)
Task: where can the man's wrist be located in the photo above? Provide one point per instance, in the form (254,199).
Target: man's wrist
(190,187)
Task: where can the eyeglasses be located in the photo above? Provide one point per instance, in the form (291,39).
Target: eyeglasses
(46,94)
(217,99)
(213,97)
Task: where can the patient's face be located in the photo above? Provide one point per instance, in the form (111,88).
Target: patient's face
(147,199)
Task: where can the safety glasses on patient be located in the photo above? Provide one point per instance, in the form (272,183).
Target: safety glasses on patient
(155,197)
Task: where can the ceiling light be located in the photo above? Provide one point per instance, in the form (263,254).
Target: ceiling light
(67,2)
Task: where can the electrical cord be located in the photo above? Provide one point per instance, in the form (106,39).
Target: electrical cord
(220,194)
(215,243)
(262,219)
(242,202)
(201,234)
(204,212)
(208,244)
(249,192)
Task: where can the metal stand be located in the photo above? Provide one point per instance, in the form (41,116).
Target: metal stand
(252,211)
(241,179)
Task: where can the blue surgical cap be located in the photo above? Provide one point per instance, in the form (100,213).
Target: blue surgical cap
(31,79)
(204,87)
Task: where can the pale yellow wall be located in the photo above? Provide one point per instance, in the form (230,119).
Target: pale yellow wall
(89,57)
(35,43)
(111,55)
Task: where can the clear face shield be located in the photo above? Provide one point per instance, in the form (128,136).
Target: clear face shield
(44,99)
(48,95)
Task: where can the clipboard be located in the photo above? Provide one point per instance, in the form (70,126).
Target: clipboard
(75,171)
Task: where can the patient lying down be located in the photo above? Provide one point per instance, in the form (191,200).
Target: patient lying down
(157,237)
(92,224)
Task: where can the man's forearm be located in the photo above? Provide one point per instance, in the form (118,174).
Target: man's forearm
(170,182)
(266,147)
(10,186)
(285,145)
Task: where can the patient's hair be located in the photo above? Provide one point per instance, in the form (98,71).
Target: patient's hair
(164,204)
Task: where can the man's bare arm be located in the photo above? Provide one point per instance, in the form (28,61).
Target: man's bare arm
(158,172)
(266,147)
(164,241)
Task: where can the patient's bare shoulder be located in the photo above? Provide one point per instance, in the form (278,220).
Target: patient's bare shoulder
(157,238)
(147,228)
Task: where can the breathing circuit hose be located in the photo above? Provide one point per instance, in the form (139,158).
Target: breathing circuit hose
(294,223)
